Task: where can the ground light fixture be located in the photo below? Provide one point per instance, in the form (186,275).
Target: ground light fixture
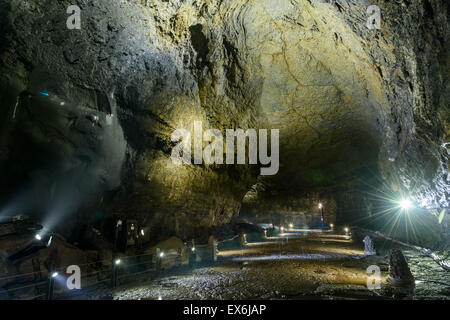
(346,230)
(322,217)
(331,225)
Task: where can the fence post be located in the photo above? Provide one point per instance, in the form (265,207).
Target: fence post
(113,253)
(51,283)
(214,251)
(192,255)
(37,275)
(243,239)
(158,259)
(114,272)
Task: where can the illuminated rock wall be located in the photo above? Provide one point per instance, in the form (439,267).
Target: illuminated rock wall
(357,109)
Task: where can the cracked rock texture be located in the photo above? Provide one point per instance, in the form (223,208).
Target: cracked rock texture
(86,115)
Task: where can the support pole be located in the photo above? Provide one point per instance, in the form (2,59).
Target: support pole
(322,218)
(158,259)
(113,255)
(243,240)
(192,255)
(51,283)
(214,251)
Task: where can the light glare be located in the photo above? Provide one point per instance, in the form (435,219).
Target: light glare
(405,204)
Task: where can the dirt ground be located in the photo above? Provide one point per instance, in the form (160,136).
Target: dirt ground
(308,266)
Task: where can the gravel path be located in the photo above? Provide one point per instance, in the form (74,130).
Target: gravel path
(314,267)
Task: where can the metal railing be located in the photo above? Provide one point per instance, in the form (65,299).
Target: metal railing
(106,273)
(109,273)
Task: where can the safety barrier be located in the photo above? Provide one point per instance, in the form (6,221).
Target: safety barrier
(51,284)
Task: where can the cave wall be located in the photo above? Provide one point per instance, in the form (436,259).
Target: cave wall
(150,75)
(302,211)
(356,108)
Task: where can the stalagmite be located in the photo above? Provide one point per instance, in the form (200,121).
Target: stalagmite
(369,249)
(399,273)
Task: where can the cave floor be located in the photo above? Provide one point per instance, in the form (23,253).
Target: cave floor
(313,266)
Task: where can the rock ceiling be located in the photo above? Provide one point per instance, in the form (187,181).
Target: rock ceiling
(351,104)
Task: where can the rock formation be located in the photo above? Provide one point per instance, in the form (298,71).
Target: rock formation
(399,273)
(369,249)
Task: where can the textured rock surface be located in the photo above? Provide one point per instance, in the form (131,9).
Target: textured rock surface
(358,109)
(399,273)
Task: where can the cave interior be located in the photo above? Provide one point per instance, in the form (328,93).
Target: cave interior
(358,124)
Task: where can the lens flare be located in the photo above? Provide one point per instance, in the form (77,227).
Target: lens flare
(405,204)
